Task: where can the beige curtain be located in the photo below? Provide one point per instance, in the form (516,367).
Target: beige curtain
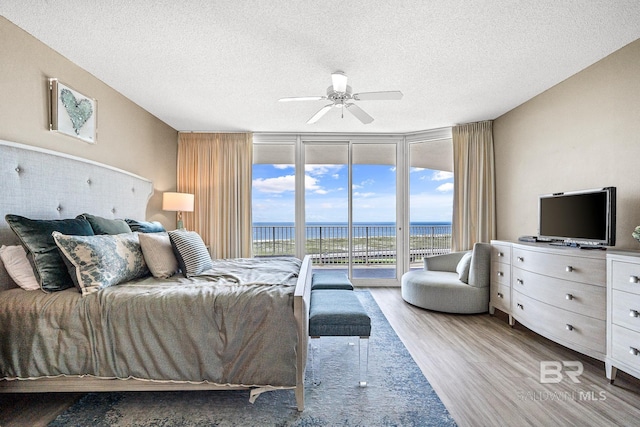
(474,212)
(216,168)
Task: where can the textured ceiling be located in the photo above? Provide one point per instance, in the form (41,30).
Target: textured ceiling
(203,65)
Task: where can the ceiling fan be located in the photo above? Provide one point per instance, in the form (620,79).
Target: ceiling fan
(341,96)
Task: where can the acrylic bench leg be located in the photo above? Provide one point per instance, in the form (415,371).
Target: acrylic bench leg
(315,361)
(364,360)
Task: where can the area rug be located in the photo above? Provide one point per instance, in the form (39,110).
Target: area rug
(397,394)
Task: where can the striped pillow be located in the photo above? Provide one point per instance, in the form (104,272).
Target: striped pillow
(193,256)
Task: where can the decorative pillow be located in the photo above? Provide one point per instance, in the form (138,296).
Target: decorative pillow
(158,254)
(18,266)
(35,236)
(106,226)
(463,267)
(193,256)
(101,261)
(145,226)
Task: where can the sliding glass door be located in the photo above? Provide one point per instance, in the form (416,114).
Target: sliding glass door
(374,200)
(350,208)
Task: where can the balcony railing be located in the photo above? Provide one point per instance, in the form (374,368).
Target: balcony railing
(372,244)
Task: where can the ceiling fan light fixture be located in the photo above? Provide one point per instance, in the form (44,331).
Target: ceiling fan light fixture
(341,96)
(339,80)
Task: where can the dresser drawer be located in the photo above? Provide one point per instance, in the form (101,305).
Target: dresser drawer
(626,309)
(500,273)
(625,276)
(501,298)
(576,297)
(567,328)
(625,346)
(501,253)
(567,267)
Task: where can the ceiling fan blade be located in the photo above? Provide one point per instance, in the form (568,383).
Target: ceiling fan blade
(339,81)
(359,113)
(319,114)
(302,98)
(378,96)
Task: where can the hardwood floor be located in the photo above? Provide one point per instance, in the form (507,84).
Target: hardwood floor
(485,372)
(488,374)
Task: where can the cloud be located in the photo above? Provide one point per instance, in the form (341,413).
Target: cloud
(279,184)
(283,166)
(311,184)
(357,194)
(441,175)
(445,188)
(321,170)
(412,170)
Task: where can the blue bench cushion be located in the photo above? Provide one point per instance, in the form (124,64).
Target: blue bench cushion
(330,280)
(337,312)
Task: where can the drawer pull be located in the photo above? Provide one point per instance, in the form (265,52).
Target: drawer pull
(520,281)
(634,351)
(569,297)
(634,279)
(520,306)
(500,274)
(500,295)
(521,259)
(569,327)
(634,313)
(500,254)
(569,269)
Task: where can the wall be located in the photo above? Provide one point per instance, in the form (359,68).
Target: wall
(128,138)
(582,133)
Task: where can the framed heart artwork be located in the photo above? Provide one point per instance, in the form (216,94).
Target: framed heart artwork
(72,113)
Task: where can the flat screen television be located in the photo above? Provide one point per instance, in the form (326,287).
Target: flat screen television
(586,217)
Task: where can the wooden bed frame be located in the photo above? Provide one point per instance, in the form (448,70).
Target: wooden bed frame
(43,184)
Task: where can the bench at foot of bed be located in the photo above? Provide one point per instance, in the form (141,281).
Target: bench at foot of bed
(339,312)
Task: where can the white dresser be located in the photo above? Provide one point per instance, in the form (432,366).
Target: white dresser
(623,313)
(558,292)
(500,280)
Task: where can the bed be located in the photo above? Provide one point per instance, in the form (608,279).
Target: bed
(242,324)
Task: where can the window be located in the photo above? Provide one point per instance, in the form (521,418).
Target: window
(350,198)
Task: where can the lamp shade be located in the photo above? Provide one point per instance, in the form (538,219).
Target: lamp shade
(181,202)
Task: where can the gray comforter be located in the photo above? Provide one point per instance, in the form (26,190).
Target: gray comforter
(232,325)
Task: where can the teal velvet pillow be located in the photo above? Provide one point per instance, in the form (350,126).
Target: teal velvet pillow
(106,226)
(101,261)
(145,226)
(35,236)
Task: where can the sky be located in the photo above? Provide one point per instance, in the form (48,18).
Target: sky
(326,194)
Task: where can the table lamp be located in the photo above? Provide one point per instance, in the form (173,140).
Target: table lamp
(177,202)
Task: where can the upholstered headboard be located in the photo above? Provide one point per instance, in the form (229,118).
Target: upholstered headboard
(43,184)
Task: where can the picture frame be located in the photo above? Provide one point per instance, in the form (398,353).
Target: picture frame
(72,113)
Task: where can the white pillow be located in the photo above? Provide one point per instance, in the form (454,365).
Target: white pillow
(158,254)
(18,266)
(463,267)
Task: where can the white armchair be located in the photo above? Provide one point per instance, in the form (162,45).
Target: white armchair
(449,284)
